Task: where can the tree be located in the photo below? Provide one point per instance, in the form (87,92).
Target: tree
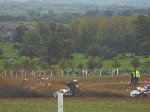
(68,45)
(115,64)
(107,53)
(91,13)
(43,65)
(81,66)
(98,63)
(93,50)
(31,45)
(145,48)
(26,64)
(135,63)
(20,32)
(142,32)
(62,64)
(54,51)
(17,66)
(142,28)
(8,65)
(51,14)
(42,28)
(145,65)
(91,64)
(34,63)
(33,13)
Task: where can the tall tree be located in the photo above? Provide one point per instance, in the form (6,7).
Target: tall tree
(31,45)
(142,32)
(20,31)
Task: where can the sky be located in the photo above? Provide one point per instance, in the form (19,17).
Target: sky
(138,3)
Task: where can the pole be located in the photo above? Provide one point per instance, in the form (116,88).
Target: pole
(51,73)
(5,73)
(117,71)
(100,72)
(60,102)
(11,74)
(62,73)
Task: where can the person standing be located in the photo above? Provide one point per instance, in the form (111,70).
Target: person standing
(137,76)
(132,81)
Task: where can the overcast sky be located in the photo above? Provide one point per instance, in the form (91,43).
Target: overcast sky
(142,3)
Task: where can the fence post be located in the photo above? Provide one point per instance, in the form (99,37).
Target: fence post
(100,72)
(11,74)
(5,73)
(117,71)
(86,73)
(34,74)
(51,73)
(16,74)
(2,74)
(62,73)
(60,102)
(67,73)
(22,73)
(25,73)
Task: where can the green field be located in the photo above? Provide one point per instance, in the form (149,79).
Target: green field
(76,105)
(10,52)
(8,49)
(107,64)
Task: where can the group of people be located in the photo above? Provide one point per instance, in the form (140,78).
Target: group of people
(135,75)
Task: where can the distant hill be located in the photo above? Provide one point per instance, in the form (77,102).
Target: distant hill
(135,3)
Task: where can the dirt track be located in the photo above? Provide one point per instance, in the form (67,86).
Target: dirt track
(93,86)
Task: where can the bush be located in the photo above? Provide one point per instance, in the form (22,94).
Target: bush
(1,52)
(135,63)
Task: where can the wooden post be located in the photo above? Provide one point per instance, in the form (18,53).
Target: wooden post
(2,74)
(117,71)
(34,73)
(100,72)
(62,73)
(60,102)
(68,73)
(16,74)
(11,73)
(22,73)
(86,73)
(25,73)
(5,73)
(51,73)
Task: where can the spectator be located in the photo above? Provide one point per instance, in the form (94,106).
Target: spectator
(132,81)
(137,76)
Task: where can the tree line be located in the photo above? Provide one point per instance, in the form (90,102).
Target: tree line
(103,37)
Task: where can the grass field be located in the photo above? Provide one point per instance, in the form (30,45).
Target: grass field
(107,64)
(8,49)
(10,52)
(78,104)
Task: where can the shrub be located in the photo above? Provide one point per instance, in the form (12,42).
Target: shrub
(135,63)
(1,52)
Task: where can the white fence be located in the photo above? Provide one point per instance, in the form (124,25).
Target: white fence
(62,73)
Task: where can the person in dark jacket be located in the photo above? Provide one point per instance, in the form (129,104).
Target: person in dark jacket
(132,81)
